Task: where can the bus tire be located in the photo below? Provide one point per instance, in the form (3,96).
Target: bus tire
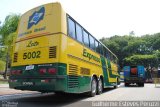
(126,84)
(116,84)
(100,86)
(93,87)
(141,84)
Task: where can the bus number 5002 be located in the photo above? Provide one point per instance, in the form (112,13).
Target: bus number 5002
(29,55)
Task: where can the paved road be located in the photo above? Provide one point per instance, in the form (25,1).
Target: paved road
(5,90)
(147,93)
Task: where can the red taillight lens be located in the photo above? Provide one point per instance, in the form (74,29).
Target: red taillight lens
(16,72)
(13,72)
(42,71)
(52,71)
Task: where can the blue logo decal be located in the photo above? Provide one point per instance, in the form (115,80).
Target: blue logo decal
(36,17)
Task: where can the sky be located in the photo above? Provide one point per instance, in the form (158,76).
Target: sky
(102,18)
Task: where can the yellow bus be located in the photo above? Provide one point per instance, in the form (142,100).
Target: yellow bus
(54,53)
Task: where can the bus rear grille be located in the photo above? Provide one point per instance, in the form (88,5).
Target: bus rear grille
(52,52)
(73,69)
(73,81)
(73,76)
(15,57)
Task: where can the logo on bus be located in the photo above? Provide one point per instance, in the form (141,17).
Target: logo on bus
(36,17)
(31,43)
(90,56)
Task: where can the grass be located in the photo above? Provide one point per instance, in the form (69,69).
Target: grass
(3,82)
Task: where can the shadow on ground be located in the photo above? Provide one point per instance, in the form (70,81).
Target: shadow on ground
(52,100)
(130,86)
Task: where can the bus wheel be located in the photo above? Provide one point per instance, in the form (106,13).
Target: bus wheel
(126,84)
(93,87)
(116,84)
(100,86)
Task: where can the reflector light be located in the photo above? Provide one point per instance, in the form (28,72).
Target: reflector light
(42,71)
(52,71)
(45,81)
(13,72)
(16,72)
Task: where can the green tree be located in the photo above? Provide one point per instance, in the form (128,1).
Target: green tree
(127,48)
(7,33)
(9,26)
(141,60)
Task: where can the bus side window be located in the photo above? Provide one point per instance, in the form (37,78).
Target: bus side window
(91,39)
(104,51)
(96,46)
(111,57)
(100,49)
(71,28)
(107,54)
(79,33)
(85,38)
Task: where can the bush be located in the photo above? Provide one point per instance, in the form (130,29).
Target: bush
(141,60)
(2,65)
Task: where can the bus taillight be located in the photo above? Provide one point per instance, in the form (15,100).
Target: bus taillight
(16,72)
(52,71)
(42,71)
(13,72)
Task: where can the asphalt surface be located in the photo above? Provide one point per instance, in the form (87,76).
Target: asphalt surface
(133,93)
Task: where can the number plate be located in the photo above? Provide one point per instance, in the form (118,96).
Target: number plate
(29,67)
(27,83)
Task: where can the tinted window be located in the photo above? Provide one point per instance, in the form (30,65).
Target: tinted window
(104,51)
(107,54)
(91,39)
(96,46)
(71,28)
(85,38)
(79,33)
(100,49)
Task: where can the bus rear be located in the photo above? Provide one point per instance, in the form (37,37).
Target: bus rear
(35,62)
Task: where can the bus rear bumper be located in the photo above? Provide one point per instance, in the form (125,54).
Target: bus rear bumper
(134,80)
(41,84)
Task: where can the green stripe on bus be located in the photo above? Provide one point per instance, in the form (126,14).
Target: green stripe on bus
(110,69)
(104,69)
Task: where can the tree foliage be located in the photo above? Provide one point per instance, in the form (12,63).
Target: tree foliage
(141,60)
(8,33)
(135,50)
(9,26)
